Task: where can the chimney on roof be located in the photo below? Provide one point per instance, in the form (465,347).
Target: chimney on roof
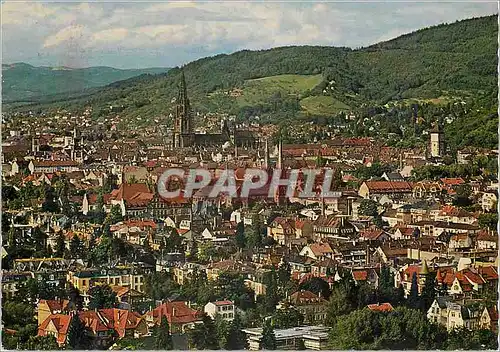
(173,311)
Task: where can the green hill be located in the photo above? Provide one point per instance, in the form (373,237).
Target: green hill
(23,82)
(444,62)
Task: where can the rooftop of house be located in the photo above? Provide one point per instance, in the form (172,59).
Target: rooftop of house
(380,307)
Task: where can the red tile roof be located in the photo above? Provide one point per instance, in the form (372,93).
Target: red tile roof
(381,307)
(141,223)
(445,276)
(224,303)
(54,305)
(94,321)
(389,186)
(131,191)
(371,234)
(54,163)
(493,313)
(121,320)
(360,275)
(175,312)
(305,297)
(488,272)
(61,323)
(320,248)
(473,277)
(452,181)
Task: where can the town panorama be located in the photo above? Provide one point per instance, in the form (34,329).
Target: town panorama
(293,198)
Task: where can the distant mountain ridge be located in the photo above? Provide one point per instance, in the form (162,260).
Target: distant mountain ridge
(448,60)
(24,82)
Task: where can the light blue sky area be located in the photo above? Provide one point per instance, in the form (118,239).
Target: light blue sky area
(166,34)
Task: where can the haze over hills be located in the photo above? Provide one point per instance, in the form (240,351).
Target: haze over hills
(443,63)
(22,81)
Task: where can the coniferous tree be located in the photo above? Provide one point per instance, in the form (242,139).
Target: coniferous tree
(77,338)
(221,330)
(162,336)
(102,296)
(240,235)
(428,291)
(74,297)
(400,295)
(413,298)
(271,298)
(60,245)
(204,336)
(49,204)
(236,338)
(39,239)
(268,341)
(284,273)
(174,242)
(99,214)
(386,282)
(76,247)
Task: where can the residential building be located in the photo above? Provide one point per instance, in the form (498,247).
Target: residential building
(310,305)
(225,309)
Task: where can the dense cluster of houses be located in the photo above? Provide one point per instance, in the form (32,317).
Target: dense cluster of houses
(422,232)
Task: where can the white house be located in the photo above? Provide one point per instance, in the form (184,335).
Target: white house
(489,201)
(225,309)
(453,315)
(236,216)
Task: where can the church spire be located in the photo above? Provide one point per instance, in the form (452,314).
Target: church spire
(266,156)
(183,119)
(425,269)
(182,98)
(280,154)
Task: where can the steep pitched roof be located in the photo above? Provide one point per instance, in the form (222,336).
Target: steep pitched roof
(94,321)
(360,275)
(129,191)
(304,297)
(121,319)
(175,312)
(452,181)
(380,307)
(493,313)
(54,305)
(389,186)
(488,272)
(320,248)
(61,323)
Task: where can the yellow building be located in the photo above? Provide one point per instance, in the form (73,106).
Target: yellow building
(126,276)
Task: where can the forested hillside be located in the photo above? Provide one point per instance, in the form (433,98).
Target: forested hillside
(449,62)
(25,82)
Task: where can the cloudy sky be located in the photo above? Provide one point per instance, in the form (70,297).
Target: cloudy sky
(164,34)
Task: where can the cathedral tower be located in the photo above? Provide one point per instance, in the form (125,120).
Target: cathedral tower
(183,124)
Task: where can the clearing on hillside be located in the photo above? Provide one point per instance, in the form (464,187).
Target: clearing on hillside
(322,105)
(261,89)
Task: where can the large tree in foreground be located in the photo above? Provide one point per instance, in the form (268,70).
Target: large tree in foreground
(236,338)
(268,341)
(204,336)
(77,338)
(102,296)
(162,336)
